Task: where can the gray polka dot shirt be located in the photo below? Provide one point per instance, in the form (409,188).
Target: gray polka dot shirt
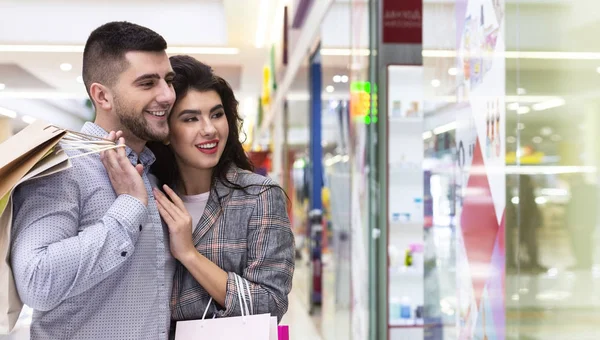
(92,265)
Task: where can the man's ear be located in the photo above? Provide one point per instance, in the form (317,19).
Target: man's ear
(101,96)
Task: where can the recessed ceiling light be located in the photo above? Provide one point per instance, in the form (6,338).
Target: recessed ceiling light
(344,79)
(537,139)
(556,138)
(521,91)
(513,106)
(453,71)
(80,79)
(436,83)
(329,88)
(523,110)
(546,131)
(2,86)
(337,78)
(66,67)
(511,139)
(598,70)
(521,126)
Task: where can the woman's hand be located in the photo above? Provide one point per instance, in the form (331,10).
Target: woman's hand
(179,222)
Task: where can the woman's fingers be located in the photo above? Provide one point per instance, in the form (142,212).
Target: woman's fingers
(164,213)
(174,197)
(167,204)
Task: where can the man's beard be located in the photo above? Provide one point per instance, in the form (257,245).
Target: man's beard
(137,124)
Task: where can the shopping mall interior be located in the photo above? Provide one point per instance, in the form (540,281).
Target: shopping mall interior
(440,156)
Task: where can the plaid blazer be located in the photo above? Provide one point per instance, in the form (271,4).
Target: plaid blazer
(248,234)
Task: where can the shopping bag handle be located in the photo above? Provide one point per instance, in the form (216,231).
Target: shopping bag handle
(239,282)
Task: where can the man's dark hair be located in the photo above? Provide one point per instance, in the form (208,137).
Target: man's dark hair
(105,49)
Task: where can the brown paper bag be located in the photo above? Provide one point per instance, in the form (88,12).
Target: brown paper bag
(21,152)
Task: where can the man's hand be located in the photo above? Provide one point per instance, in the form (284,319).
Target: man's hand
(124,177)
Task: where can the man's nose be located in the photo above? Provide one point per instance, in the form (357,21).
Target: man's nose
(166,95)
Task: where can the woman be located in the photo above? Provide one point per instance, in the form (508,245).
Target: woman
(223,219)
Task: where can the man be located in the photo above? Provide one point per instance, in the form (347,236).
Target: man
(92,261)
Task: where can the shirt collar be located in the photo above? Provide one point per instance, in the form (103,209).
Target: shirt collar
(146,157)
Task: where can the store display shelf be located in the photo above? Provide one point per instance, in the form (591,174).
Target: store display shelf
(406,119)
(406,323)
(406,273)
(402,225)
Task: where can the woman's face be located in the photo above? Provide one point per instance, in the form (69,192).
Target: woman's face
(198,129)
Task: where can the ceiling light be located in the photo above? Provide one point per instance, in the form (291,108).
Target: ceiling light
(556,138)
(80,79)
(522,55)
(537,139)
(513,106)
(453,71)
(203,50)
(511,139)
(344,79)
(2,86)
(523,110)
(521,91)
(549,104)
(28,119)
(546,131)
(520,126)
(337,78)
(66,67)
(79,49)
(261,29)
(598,70)
(436,83)
(427,135)
(329,88)
(8,113)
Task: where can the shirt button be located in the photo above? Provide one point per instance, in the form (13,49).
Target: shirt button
(140,227)
(124,254)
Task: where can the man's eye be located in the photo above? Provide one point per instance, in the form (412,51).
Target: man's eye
(149,84)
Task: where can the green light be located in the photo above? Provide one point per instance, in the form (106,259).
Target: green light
(367,120)
(375,120)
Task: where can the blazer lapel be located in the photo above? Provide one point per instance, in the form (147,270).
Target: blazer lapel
(214,209)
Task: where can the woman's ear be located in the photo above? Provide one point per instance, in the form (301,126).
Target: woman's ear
(101,97)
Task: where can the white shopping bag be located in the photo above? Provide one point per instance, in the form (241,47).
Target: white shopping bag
(247,326)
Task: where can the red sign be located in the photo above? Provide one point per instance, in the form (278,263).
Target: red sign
(402,21)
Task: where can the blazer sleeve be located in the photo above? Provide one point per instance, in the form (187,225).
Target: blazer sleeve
(270,266)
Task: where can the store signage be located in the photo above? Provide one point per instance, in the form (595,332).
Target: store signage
(402,21)
(360,102)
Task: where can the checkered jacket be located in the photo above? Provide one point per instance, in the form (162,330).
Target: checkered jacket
(248,234)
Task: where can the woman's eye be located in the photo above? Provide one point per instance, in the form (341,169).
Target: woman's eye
(191,119)
(218,115)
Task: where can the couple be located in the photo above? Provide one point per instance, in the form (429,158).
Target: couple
(101,251)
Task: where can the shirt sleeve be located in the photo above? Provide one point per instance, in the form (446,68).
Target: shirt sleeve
(270,265)
(53,257)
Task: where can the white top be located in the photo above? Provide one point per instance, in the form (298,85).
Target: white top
(195,205)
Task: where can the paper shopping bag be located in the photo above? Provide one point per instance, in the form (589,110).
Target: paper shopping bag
(249,327)
(283,332)
(21,152)
(10,303)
